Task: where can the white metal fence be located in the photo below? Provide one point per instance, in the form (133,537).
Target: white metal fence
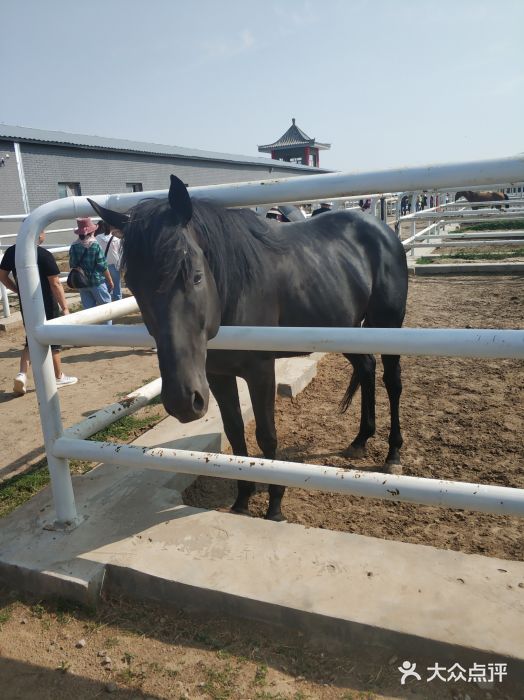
(74,329)
(445,214)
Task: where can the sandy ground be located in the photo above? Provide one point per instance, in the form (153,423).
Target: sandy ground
(462,419)
(145,652)
(104,376)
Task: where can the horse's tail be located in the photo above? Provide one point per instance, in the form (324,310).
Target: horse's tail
(507,198)
(354,383)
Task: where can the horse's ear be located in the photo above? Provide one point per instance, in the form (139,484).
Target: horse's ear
(180,201)
(113,218)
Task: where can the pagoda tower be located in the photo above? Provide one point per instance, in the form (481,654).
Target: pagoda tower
(295,147)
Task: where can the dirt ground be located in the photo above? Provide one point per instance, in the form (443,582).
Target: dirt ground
(51,651)
(105,374)
(462,419)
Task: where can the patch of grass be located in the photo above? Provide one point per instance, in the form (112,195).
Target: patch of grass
(299,695)
(517,253)
(111,642)
(38,610)
(510,225)
(220,682)
(126,428)
(261,675)
(63,618)
(207,641)
(5,614)
(131,678)
(127,658)
(19,489)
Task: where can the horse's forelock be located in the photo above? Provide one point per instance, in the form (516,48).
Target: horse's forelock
(155,249)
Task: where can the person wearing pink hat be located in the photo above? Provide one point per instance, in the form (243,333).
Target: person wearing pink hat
(87,254)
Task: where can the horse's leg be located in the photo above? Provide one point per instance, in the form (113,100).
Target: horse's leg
(225,391)
(364,369)
(261,384)
(393,383)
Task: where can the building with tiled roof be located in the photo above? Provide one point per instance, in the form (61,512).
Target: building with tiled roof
(295,146)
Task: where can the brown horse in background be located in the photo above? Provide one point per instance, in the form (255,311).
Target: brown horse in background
(483,197)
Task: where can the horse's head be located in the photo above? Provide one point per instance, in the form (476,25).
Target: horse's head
(168,273)
(460,195)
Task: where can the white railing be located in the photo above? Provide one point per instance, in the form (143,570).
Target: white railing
(476,343)
(443,215)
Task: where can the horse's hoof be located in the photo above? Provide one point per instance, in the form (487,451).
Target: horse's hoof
(393,468)
(354,452)
(276,518)
(240,511)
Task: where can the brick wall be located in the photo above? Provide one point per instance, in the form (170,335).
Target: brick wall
(10,192)
(101,172)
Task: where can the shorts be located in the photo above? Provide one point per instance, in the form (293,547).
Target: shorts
(54,348)
(51,311)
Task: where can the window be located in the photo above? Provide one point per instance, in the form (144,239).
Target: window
(69,189)
(134,187)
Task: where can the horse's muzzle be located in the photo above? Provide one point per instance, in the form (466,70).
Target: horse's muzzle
(189,408)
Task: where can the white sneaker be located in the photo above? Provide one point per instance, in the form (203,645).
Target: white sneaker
(20,384)
(65,381)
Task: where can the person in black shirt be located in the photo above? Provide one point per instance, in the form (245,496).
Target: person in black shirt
(53,295)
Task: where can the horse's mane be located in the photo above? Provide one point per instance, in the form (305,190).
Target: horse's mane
(234,241)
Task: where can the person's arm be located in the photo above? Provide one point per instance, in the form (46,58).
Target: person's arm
(101,264)
(58,292)
(72,257)
(109,280)
(7,281)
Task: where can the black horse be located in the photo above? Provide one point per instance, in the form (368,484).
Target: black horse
(195,265)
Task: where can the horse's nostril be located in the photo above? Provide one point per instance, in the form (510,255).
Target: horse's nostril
(198,402)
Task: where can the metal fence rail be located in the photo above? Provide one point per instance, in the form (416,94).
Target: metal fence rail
(478,343)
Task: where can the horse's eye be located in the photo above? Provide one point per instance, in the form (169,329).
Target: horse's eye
(197,278)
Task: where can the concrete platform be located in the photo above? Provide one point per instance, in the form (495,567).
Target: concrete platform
(12,322)
(137,538)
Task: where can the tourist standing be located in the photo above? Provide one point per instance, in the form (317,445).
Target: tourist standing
(87,254)
(53,296)
(110,244)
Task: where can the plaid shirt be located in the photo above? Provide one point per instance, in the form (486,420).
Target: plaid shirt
(93,262)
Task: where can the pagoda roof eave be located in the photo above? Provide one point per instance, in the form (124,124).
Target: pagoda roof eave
(276,146)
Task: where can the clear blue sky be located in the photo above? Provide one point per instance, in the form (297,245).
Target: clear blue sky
(387,83)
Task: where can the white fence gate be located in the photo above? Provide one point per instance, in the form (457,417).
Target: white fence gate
(73,329)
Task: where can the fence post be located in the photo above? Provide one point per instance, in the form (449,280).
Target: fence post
(42,363)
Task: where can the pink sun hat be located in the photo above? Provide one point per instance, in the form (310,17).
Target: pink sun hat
(84,226)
